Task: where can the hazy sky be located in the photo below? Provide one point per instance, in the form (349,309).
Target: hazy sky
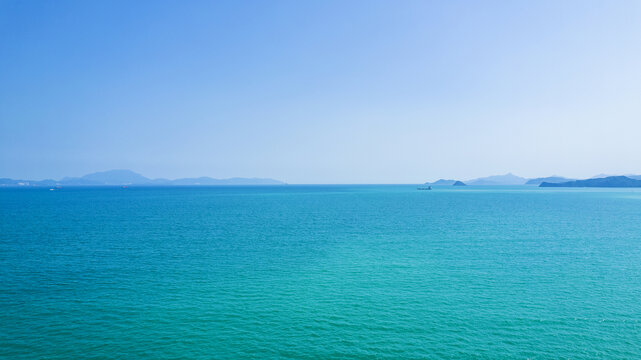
(320,91)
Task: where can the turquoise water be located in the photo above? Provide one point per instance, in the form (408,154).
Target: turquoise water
(320,272)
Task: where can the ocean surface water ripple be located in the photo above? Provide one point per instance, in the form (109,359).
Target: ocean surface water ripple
(320,272)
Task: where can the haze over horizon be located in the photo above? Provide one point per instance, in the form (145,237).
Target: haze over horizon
(125,176)
(327,92)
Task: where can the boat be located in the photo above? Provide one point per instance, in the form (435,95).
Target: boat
(424,188)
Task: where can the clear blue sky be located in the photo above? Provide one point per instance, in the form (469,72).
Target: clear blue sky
(320,91)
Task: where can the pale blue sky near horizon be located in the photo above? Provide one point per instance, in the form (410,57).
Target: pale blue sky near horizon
(320,91)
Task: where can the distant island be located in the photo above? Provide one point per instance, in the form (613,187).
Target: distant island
(510,179)
(610,181)
(128,177)
(507,179)
(442,182)
(549,179)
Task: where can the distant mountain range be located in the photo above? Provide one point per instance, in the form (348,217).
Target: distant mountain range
(507,179)
(549,179)
(128,177)
(610,181)
(631,176)
(556,181)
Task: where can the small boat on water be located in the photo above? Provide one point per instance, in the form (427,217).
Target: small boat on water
(424,188)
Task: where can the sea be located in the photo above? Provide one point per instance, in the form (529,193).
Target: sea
(320,272)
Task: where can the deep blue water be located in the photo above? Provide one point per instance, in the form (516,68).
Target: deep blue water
(319,272)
